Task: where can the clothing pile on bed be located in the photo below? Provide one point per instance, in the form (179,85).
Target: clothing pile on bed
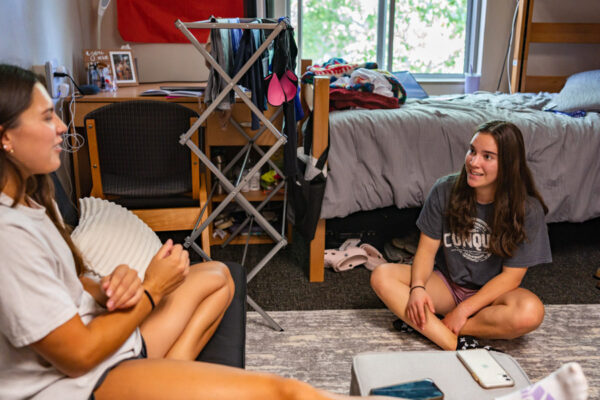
(358,85)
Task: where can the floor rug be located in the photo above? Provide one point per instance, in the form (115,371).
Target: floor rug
(317,346)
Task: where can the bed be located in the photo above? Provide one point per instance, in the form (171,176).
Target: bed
(380,158)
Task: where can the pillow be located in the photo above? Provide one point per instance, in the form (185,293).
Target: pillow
(109,235)
(581,92)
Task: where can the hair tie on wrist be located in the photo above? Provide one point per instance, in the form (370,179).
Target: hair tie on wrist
(416,287)
(150,298)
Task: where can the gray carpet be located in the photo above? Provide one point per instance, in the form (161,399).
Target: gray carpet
(317,346)
(282,285)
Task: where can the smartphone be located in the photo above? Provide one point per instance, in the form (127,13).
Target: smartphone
(485,369)
(424,389)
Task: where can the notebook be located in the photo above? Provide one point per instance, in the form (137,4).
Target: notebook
(410,84)
(199,87)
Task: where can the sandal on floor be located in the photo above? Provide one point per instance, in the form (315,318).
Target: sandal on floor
(352,242)
(406,244)
(469,342)
(394,254)
(374,257)
(345,260)
(402,326)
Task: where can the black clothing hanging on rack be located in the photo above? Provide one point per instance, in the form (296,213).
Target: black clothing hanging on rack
(285,53)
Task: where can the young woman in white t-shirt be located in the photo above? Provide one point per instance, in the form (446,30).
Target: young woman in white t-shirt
(65,336)
(481,229)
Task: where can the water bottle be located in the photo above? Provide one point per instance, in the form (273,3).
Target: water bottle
(255,181)
(246,185)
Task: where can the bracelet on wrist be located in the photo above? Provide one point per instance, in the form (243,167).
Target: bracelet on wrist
(150,298)
(415,287)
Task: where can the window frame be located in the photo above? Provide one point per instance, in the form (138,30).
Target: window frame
(385,30)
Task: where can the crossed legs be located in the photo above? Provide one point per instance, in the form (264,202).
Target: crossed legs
(185,320)
(511,315)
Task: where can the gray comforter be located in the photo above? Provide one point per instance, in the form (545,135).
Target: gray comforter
(379,158)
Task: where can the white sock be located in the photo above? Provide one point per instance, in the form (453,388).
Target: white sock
(566,383)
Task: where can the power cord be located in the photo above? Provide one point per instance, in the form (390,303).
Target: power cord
(72,141)
(65,75)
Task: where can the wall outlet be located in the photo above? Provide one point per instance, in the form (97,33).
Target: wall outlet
(52,82)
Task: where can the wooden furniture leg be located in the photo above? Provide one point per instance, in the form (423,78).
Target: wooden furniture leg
(320,142)
(317,254)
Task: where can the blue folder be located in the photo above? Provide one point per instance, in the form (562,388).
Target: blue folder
(410,84)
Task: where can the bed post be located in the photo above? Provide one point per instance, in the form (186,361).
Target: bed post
(521,46)
(320,141)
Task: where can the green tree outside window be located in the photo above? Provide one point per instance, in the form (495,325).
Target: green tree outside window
(429,35)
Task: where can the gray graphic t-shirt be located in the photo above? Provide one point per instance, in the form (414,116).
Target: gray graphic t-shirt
(468,262)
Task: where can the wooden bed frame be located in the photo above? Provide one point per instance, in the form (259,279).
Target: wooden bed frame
(526,32)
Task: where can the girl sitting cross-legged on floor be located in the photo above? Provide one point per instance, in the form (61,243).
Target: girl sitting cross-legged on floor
(480,231)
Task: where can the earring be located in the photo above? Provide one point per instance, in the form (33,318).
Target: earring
(7,150)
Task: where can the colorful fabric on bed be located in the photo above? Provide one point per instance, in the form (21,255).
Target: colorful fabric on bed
(380,158)
(375,81)
(334,68)
(342,99)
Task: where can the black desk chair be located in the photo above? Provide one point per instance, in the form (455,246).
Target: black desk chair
(137,162)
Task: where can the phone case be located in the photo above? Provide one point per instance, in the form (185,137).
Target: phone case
(424,389)
(485,369)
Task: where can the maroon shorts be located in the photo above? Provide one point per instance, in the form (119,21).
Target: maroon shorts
(459,293)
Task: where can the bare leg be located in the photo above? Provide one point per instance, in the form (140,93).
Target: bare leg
(511,315)
(391,282)
(172,379)
(186,319)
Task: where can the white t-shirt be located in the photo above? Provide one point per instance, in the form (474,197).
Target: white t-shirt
(40,291)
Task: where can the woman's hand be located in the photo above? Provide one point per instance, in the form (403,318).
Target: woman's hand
(455,320)
(167,270)
(123,288)
(418,301)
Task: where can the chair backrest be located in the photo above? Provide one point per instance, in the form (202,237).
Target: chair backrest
(67,209)
(139,153)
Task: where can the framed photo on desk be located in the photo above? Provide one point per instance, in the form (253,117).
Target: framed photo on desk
(123,67)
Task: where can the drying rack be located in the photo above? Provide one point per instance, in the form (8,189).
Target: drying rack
(234,190)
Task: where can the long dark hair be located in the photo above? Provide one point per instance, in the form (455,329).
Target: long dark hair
(16,90)
(514,183)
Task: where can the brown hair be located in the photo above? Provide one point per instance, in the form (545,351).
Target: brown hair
(16,90)
(514,184)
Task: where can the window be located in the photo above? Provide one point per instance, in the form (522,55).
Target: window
(433,37)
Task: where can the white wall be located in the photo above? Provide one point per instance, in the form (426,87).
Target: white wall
(35,31)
